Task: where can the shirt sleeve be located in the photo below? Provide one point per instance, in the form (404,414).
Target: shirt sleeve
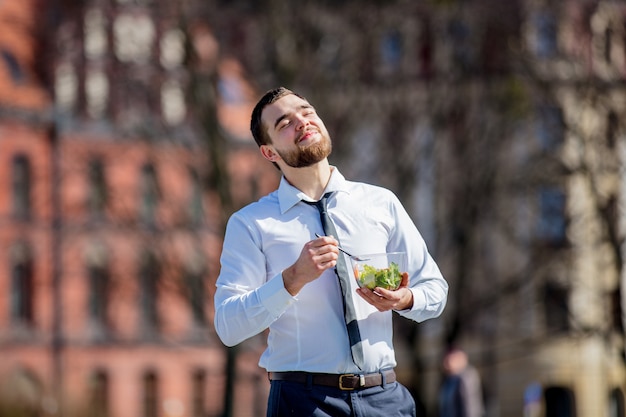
(429,288)
(246,302)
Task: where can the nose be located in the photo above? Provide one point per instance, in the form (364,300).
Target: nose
(302,122)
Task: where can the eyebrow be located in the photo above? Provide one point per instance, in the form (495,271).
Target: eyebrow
(279,119)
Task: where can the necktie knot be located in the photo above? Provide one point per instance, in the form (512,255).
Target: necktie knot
(321,207)
(321,203)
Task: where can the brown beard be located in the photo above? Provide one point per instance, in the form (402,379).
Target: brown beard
(307,155)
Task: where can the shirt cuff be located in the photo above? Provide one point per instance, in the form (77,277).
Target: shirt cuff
(274,296)
(419,301)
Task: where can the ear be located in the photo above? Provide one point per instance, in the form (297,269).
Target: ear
(269,153)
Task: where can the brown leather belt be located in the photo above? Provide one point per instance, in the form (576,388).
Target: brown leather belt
(345,382)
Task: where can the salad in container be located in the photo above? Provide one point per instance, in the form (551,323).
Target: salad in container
(383,270)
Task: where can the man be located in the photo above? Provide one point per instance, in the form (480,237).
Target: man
(277,274)
(461,392)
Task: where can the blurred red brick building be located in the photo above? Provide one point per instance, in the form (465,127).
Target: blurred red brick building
(110,237)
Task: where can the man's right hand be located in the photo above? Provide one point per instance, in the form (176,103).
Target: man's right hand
(316,256)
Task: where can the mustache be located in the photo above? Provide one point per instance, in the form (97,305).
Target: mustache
(305,133)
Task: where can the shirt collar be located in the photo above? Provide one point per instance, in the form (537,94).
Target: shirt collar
(289,196)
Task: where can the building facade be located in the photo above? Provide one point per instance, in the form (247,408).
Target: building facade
(110,235)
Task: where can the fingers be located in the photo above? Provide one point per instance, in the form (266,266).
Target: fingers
(324,250)
(326,240)
(405,280)
(377,299)
(385,300)
(317,256)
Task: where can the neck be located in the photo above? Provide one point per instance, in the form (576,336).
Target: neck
(311,180)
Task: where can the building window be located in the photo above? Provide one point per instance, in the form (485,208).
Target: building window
(99,394)
(608,43)
(66,86)
(612,128)
(462,47)
(150,395)
(96,92)
(425,51)
(545,35)
(96,259)
(616,403)
(615,301)
(196,206)
(199,386)
(95,30)
(98,192)
(550,127)
(560,402)
(99,294)
(197,299)
(21,186)
(149,195)
(134,37)
(172,49)
(610,211)
(22,285)
(148,280)
(552,225)
(556,305)
(391,51)
(173,105)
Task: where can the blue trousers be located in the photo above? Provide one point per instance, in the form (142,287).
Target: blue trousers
(302,400)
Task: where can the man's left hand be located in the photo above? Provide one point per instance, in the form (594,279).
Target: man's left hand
(384,300)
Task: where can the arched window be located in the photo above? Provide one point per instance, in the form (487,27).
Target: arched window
(194,280)
(148,282)
(97,193)
(99,288)
(150,195)
(22,285)
(150,394)
(21,186)
(99,394)
(198,392)
(196,207)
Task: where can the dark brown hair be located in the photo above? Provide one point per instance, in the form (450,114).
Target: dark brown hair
(256,124)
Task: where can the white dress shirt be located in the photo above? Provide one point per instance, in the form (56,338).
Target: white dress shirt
(307,332)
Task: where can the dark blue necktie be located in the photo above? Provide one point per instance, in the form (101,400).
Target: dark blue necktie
(344,281)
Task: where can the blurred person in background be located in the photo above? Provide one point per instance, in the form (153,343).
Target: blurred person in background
(461,393)
(277,275)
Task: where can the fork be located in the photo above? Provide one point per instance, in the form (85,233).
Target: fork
(344,251)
